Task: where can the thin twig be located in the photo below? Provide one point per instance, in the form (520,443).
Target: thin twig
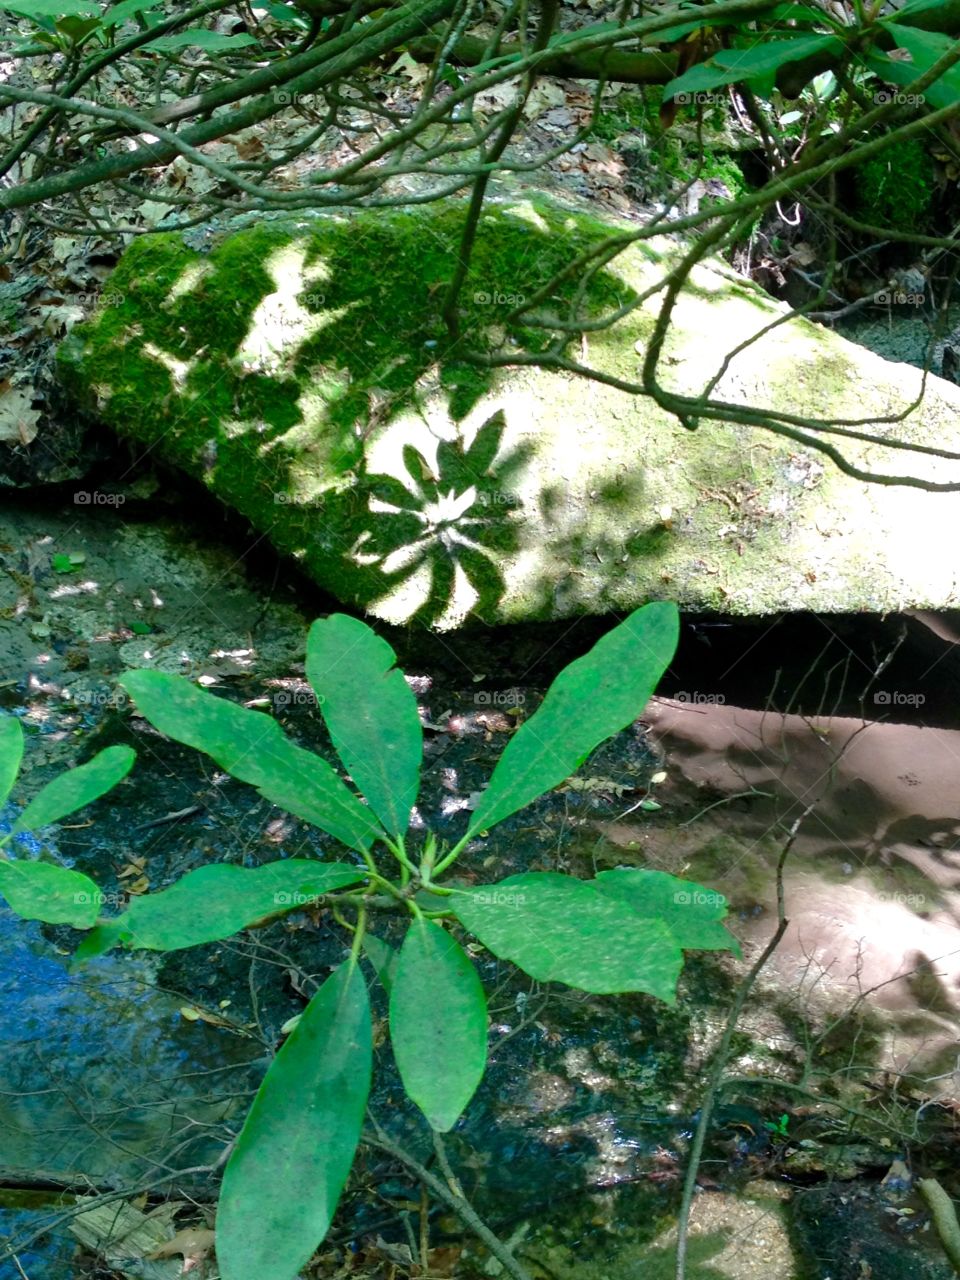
(723,1053)
(460,1206)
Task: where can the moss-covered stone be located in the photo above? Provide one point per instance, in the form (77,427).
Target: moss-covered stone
(300,368)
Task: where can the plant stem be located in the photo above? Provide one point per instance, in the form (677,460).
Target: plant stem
(460,1206)
(944,1218)
(723,1053)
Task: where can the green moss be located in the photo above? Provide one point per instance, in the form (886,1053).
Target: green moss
(265,365)
(895,188)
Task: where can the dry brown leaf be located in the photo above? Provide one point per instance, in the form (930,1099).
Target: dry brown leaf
(19,421)
(194,1244)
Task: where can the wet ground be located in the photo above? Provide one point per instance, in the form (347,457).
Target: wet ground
(133,1070)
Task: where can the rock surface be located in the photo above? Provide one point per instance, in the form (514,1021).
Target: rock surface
(301,370)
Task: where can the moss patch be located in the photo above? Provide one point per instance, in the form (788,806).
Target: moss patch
(301,369)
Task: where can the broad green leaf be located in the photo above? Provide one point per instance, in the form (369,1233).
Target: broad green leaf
(438,1024)
(218,901)
(51,8)
(103,936)
(253,747)
(199,38)
(128,9)
(559,929)
(55,895)
(371,714)
(76,788)
(925,48)
(76,30)
(288,1169)
(691,913)
(590,700)
(383,958)
(11,754)
(731,66)
(915,7)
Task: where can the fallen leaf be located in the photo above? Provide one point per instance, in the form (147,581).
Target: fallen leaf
(19,421)
(194,1244)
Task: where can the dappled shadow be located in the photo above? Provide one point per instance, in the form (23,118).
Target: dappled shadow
(302,370)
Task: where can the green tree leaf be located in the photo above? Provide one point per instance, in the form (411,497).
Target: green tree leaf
(55,895)
(11,754)
(218,901)
(253,747)
(128,9)
(691,913)
(625,931)
(76,788)
(925,48)
(438,1023)
(383,957)
(371,714)
(293,1155)
(731,66)
(590,700)
(559,929)
(104,935)
(51,8)
(199,38)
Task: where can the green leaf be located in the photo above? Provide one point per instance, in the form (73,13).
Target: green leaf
(438,1024)
(293,1155)
(590,700)
(383,957)
(103,936)
(51,8)
(917,6)
(76,788)
(559,929)
(371,714)
(218,901)
(731,66)
(76,30)
(254,749)
(925,48)
(128,9)
(199,38)
(68,562)
(11,754)
(691,913)
(55,895)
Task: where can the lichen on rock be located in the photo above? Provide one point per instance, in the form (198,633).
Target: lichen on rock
(300,368)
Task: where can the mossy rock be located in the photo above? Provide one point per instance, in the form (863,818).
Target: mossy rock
(300,369)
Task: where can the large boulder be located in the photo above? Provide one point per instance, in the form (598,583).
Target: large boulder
(300,370)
